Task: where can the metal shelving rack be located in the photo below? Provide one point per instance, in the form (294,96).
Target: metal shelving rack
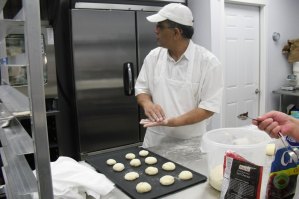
(20,181)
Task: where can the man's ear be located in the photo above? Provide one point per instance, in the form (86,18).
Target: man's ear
(177,32)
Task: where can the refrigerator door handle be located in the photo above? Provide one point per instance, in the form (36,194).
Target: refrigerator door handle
(128,78)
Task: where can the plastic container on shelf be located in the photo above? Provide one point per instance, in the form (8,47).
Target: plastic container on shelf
(247,142)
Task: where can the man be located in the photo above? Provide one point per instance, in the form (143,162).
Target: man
(180,83)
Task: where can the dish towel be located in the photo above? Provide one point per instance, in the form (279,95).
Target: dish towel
(73,180)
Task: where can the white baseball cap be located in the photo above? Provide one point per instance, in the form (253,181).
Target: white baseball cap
(176,12)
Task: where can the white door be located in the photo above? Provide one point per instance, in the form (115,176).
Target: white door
(241,67)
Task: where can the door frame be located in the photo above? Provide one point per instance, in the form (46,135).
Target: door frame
(263,47)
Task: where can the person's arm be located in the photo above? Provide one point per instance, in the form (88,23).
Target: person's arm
(191,117)
(274,122)
(154,112)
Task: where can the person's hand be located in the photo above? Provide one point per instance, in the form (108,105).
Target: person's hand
(274,122)
(148,123)
(154,112)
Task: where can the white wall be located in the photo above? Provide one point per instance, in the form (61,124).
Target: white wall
(202,22)
(283,18)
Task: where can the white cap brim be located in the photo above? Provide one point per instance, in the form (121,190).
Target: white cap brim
(155,18)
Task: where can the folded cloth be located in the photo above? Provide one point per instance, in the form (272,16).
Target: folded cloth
(73,180)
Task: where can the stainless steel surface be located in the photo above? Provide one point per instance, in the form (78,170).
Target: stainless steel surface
(19,172)
(2,4)
(16,102)
(282,94)
(8,26)
(16,139)
(285,92)
(4,123)
(107,117)
(37,99)
(109,6)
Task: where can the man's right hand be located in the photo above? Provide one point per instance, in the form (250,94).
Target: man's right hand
(154,112)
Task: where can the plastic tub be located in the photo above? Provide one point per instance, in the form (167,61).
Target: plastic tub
(249,143)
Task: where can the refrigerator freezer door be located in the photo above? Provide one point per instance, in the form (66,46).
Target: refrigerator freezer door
(103,41)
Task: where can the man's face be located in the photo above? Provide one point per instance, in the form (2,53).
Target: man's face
(164,34)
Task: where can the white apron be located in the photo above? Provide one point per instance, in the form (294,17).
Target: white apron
(176,98)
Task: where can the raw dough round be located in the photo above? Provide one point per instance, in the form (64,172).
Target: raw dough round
(216,177)
(118,167)
(270,149)
(135,163)
(131,176)
(167,180)
(111,162)
(168,166)
(151,171)
(185,175)
(150,160)
(130,156)
(143,187)
(143,153)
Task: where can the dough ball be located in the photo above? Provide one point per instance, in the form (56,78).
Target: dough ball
(216,177)
(168,166)
(143,187)
(131,176)
(130,156)
(118,167)
(270,149)
(150,160)
(151,171)
(185,175)
(111,162)
(135,163)
(167,180)
(143,153)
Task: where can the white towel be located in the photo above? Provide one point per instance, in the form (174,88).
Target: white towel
(73,180)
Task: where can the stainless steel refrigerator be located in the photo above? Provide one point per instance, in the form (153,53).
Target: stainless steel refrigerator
(109,47)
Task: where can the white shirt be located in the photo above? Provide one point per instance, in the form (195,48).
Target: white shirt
(207,81)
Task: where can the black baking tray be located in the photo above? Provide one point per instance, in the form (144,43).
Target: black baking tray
(129,187)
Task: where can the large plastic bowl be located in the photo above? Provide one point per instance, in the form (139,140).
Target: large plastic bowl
(247,142)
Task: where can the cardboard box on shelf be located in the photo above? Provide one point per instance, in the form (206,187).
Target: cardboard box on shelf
(291,49)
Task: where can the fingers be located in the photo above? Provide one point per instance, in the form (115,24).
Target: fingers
(275,132)
(269,126)
(255,122)
(144,121)
(148,123)
(155,113)
(273,129)
(264,124)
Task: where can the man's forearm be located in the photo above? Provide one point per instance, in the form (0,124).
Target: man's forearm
(143,99)
(191,117)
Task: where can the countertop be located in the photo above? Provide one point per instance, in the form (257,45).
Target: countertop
(188,154)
